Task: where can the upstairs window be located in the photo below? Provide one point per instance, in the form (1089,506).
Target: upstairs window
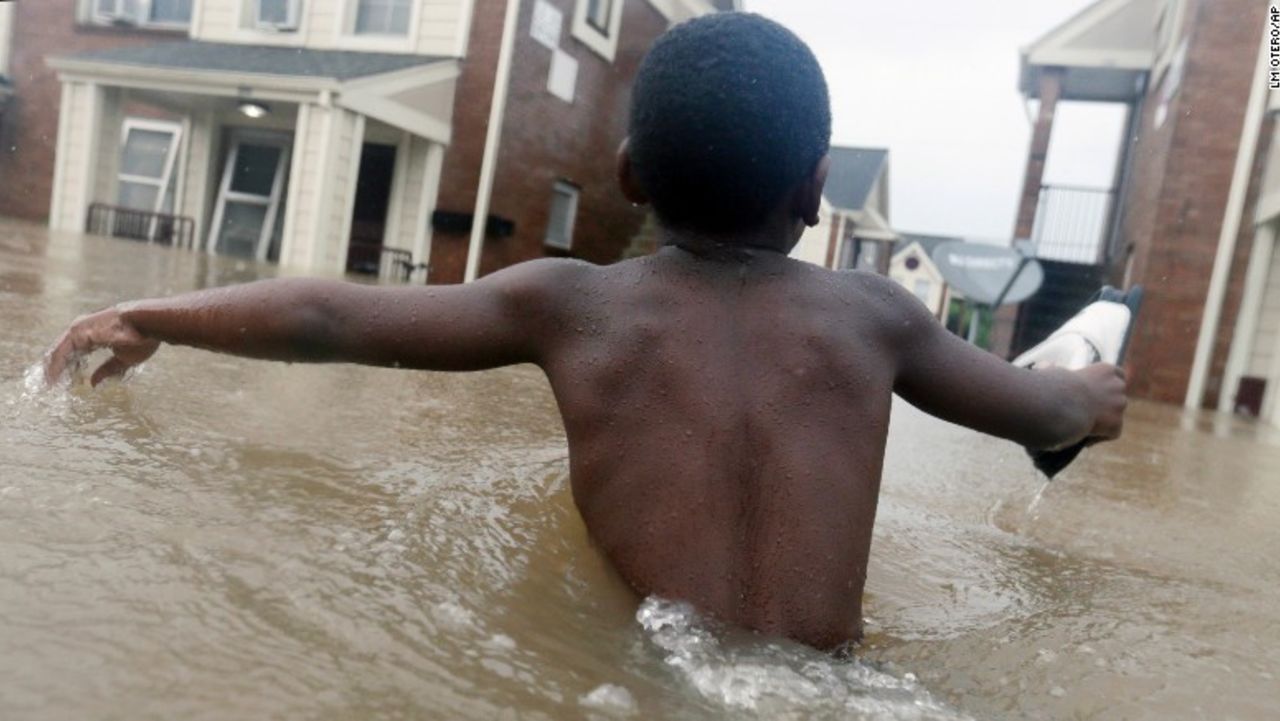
(597,24)
(171,12)
(279,15)
(599,16)
(383,17)
(564,215)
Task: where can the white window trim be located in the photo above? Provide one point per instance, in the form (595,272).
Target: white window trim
(90,13)
(348,39)
(272,202)
(604,46)
(170,163)
(353,13)
(292,24)
(575,200)
(1175,12)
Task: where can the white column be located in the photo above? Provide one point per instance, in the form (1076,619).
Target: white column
(79,127)
(324,171)
(1271,402)
(427,203)
(6,34)
(198,171)
(1246,332)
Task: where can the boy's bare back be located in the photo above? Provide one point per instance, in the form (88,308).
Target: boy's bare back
(726,424)
(726,407)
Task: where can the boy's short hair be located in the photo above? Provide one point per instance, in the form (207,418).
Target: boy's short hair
(730,112)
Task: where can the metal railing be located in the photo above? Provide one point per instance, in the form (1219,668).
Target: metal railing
(160,228)
(389,264)
(1072,224)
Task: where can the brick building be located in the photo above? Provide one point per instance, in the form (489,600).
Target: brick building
(1196,195)
(332,135)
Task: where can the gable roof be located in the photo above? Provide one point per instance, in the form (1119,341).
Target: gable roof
(928,242)
(854,172)
(338,65)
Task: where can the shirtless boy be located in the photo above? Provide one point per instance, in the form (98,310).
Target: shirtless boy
(726,406)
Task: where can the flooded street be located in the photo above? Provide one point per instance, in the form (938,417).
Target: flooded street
(220,538)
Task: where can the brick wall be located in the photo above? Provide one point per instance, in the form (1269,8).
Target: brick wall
(29,131)
(544,139)
(1179,188)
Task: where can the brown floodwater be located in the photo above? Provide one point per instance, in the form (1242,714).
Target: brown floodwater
(220,538)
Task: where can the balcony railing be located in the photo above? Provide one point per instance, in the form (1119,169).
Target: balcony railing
(1073,224)
(117,222)
(389,264)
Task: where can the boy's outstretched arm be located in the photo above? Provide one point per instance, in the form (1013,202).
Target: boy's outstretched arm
(1041,409)
(504,319)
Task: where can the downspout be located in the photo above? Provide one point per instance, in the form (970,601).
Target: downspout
(1230,227)
(488,167)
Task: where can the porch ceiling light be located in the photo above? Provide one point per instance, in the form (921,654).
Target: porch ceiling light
(254,110)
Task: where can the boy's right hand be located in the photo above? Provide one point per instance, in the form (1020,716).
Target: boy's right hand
(105,329)
(1107,387)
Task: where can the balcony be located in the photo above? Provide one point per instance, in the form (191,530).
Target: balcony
(1073,224)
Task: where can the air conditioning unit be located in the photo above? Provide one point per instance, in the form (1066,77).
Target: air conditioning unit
(272,23)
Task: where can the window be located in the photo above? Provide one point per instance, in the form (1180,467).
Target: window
(599,13)
(564,214)
(171,12)
(278,14)
(147,158)
(383,17)
(597,24)
(117,11)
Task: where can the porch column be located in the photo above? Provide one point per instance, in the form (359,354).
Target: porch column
(1246,331)
(413,196)
(197,172)
(322,184)
(80,125)
(1042,134)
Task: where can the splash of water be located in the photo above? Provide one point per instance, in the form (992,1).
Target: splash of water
(779,682)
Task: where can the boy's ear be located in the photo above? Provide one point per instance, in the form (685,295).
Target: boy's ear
(808,198)
(631,189)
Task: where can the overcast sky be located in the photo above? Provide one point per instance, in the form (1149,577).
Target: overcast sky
(936,83)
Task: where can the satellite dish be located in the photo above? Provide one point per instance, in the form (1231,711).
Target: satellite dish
(983,272)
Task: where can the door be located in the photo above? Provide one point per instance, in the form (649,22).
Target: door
(369,216)
(244,222)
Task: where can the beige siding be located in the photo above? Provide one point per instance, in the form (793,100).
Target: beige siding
(107,165)
(416,188)
(324,22)
(323,175)
(199,172)
(77,150)
(304,186)
(440,22)
(217,21)
(1265,342)
(815,242)
(407,205)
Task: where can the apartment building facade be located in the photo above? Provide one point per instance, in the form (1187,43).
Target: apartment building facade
(1193,212)
(326,134)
